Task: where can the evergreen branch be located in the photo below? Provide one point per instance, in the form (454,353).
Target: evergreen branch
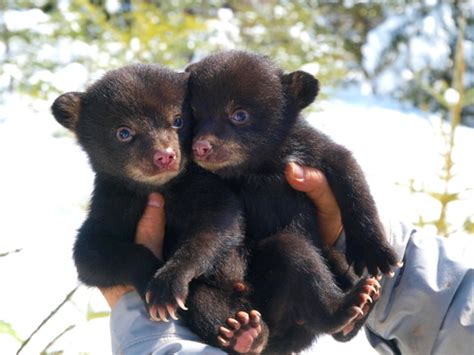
(436,95)
(6,328)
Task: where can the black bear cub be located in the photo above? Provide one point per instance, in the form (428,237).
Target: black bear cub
(247,128)
(135,126)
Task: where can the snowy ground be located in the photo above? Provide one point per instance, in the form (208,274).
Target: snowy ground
(46,182)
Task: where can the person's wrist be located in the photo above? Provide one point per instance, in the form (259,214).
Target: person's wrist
(113,294)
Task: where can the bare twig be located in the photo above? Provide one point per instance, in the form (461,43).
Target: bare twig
(51,343)
(44,321)
(10,252)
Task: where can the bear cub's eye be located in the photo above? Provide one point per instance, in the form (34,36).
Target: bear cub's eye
(178,122)
(240,116)
(125,134)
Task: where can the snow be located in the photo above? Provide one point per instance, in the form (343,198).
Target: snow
(20,20)
(46,184)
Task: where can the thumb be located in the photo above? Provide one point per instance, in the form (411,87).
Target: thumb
(316,186)
(151,227)
(314,183)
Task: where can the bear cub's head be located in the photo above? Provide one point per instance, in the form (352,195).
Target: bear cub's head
(133,123)
(244,108)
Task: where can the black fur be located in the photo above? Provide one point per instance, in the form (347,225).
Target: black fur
(289,264)
(204,253)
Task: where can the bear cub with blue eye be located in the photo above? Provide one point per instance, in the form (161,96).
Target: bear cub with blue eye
(247,128)
(135,126)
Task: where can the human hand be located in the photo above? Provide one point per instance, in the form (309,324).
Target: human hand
(151,227)
(314,183)
(150,233)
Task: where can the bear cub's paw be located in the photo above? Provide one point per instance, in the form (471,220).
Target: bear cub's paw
(166,292)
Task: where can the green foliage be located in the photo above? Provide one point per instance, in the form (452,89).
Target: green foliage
(6,328)
(351,24)
(91,314)
(289,32)
(327,34)
(171,33)
(468,98)
(469,225)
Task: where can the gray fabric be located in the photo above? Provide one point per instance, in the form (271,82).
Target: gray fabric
(427,308)
(133,333)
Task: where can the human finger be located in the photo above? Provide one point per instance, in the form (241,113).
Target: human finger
(314,183)
(151,227)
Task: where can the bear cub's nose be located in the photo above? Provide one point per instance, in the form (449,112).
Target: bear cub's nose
(164,158)
(201,148)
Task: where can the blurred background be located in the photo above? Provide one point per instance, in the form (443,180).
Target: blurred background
(397,88)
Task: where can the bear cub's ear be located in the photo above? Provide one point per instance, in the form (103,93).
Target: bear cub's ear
(66,109)
(300,87)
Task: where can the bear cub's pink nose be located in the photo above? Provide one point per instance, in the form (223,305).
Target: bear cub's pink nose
(201,148)
(164,158)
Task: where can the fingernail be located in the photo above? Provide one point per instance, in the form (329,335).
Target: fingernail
(297,172)
(155,201)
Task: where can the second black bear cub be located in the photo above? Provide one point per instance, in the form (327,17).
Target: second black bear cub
(247,129)
(135,126)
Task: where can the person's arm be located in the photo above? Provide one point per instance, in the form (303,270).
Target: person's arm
(132,332)
(428,306)
(150,233)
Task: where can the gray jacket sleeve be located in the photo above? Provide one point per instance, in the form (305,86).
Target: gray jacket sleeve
(133,333)
(428,307)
